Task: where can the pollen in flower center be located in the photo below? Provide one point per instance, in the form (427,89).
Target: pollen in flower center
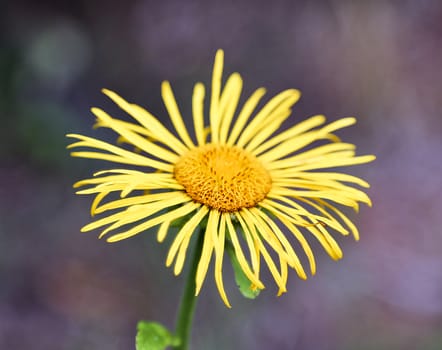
(223,177)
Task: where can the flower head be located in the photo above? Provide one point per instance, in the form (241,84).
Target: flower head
(244,182)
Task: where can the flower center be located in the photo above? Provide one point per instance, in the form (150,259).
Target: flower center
(223,177)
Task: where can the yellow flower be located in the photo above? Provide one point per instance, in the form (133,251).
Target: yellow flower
(253,188)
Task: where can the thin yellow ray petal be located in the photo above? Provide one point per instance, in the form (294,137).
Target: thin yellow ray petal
(299,184)
(206,133)
(135,139)
(313,183)
(118,159)
(257,225)
(324,150)
(251,244)
(228,104)
(175,114)
(304,244)
(126,186)
(347,221)
(294,161)
(284,212)
(264,133)
(140,180)
(143,199)
(246,111)
(122,140)
(324,242)
(219,242)
(271,205)
(336,163)
(283,101)
(148,177)
(319,176)
(315,155)
(289,133)
(119,155)
(295,210)
(182,239)
(294,143)
(117,171)
(339,124)
(135,214)
(147,120)
(313,230)
(319,208)
(122,181)
(215,118)
(296,263)
(126,216)
(290,146)
(208,247)
(118,186)
(131,186)
(263,250)
(292,222)
(336,192)
(105,221)
(322,235)
(284,275)
(331,246)
(289,172)
(331,241)
(129,126)
(285,196)
(198,112)
(274,199)
(240,254)
(97,200)
(281,283)
(172,215)
(162,231)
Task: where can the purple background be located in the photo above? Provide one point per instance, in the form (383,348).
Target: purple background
(377,60)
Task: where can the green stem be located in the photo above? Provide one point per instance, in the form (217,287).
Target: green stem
(188,300)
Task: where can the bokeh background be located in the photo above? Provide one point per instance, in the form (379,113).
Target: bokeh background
(378,60)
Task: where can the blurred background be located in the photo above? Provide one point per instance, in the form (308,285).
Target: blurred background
(377,60)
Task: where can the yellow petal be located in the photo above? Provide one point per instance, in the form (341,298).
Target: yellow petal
(251,244)
(148,121)
(289,133)
(244,115)
(240,254)
(162,231)
(272,227)
(174,113)
(281,102)
(206,254)
(182,239)
(216,91)
(218,237)
(198,112)
(119,155)
(135,139)
(228,103)
(169,216)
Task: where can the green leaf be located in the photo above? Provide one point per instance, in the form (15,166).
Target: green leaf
(244,284)
(154,336)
